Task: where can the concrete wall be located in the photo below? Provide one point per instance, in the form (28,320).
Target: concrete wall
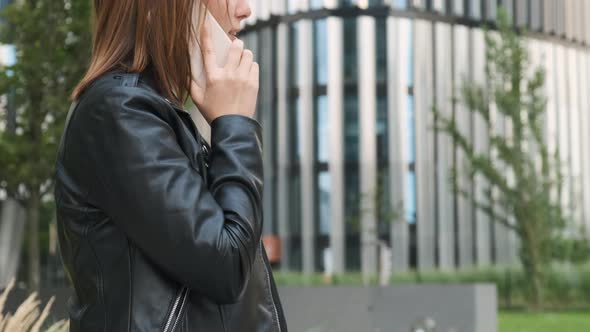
(454,308)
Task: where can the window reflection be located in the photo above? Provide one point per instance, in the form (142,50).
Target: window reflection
(322,131)
(382,131)
(316,4)
(381,45)
(292,6)
(350,51)
(320,52)
(400,4)
(323,199)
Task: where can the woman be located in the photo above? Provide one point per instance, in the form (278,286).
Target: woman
(159,231)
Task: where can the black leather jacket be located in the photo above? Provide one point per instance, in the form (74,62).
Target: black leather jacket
(159,231)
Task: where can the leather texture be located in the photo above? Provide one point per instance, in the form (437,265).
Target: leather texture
(159,231)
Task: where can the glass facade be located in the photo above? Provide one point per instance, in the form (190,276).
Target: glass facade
(432,51)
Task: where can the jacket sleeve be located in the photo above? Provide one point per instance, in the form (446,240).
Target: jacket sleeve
(206,238)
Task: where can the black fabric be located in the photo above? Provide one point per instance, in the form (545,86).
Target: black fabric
(157,230)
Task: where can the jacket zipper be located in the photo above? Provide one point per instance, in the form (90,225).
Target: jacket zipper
(186,291)
(181,296)
(274,306)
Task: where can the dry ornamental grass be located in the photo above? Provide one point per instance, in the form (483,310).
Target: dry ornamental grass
(28,317)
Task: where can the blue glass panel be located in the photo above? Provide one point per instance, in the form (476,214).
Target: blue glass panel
(400,4)
(324,203)
(316,4)
(322,129)
(410,199)
(411,134)
(321,52)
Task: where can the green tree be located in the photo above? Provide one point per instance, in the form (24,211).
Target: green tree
(53,42)
(528,204)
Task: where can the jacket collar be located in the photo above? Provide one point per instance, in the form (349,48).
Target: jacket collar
(148,77)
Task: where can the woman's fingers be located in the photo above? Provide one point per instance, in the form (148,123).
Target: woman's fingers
(245,63)
(254,74)
(234,55)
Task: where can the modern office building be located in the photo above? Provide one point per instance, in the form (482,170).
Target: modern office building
(346,94)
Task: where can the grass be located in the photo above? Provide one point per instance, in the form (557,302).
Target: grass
(544,322)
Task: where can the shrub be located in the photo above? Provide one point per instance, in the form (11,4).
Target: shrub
(27,317)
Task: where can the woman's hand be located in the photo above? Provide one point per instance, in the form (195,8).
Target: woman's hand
(231,89)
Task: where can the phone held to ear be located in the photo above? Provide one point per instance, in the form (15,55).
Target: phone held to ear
(221,43)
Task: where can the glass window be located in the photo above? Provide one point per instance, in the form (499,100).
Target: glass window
(295,255)
(349,3)
(474,9)
(383,190)
(292,6)
(352,185)
(315,4)
(438,6)
(548,16)
(458,7)
(410,188)
(293,55)
(522,13)
(376,3)
(293,97)
(351,214)
(350,51)
(385,207)
(351,128)
(400,4)
(419,4)
(509,7)
(411,134)
(323,198)
(381,45)
(491,8)
(321,52)
(410,199)
(382,131)
(295,124)
(322,130)
(536,15)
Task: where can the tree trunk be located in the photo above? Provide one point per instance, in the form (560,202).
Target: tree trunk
(531,259)
(33,250)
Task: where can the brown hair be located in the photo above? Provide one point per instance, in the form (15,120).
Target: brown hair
(134,34)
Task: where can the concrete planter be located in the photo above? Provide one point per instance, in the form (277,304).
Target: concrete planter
(404,308)
(453,308)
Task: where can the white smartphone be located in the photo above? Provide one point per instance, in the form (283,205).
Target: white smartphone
(221,43)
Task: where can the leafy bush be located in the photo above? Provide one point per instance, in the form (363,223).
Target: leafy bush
(566,285)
